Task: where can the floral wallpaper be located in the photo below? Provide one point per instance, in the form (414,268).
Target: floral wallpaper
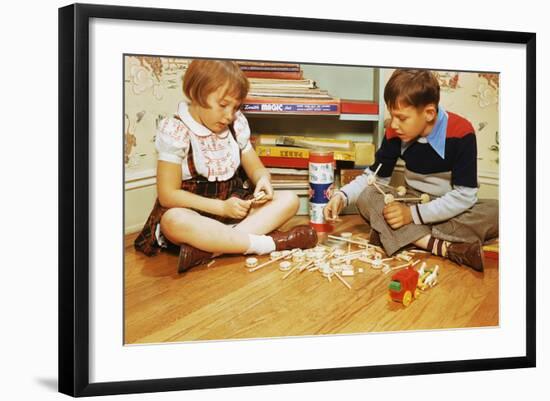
(152,90)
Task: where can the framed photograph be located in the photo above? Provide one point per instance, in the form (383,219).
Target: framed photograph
(131,323)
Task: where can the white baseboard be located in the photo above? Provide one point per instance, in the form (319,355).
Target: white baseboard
(140,179)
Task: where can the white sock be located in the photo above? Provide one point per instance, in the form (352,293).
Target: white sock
(260,244)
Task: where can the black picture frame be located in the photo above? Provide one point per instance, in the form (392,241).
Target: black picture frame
(74,201)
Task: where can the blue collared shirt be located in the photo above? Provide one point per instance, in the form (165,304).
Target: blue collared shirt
(436,138)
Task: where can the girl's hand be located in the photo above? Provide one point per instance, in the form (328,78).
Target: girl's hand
(264,184)
(333,208)
(236,208)
(397,215)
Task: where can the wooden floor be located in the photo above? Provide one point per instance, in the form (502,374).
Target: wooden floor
(226,301)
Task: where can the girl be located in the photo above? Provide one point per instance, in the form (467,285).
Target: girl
(204,205)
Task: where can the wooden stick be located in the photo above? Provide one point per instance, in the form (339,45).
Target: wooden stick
(405,265)
(351,241)
(342,280)
(299,267)
(305,266)
(378,188)
(376,172)
(290,272)
(271,261)
(385,185)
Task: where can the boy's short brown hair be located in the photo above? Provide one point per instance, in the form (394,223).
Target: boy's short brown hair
(205,76)
(416,88)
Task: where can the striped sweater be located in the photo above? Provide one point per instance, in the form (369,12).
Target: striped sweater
(443,165)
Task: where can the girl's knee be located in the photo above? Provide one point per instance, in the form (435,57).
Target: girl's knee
(289,200)
(175,219)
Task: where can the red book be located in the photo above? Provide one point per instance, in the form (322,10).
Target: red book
(286,162)
(358,107)
(275,74)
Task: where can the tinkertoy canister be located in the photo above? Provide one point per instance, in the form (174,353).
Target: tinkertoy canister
(321,184)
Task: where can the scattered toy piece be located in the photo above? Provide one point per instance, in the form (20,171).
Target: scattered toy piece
(259,196)
(342,280)
(275,254)
(388,198)
(364,242)
(272,260)
(348,273)
(285,266)
(403,257)
(402,287)
(251,262)
(298,256)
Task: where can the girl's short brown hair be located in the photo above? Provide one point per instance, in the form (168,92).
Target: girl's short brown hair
(205,76)
(416,88)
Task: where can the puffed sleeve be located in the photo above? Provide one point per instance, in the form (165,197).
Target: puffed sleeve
(242,132)
(172,140)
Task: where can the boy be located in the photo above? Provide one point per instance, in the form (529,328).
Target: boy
(440,154)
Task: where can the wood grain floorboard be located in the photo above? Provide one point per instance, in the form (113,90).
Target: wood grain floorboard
(226,301)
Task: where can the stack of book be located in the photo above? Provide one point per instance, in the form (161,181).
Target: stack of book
(280,88)
(293,151)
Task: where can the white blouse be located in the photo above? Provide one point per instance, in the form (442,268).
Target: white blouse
(216,156)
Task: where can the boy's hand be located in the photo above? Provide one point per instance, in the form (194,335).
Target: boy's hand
(333,208)
(236,208)
(397,215)
(264,184)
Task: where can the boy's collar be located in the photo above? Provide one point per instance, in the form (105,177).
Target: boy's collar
(437,137)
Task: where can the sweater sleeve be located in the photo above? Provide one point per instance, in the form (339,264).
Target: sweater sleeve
(387,155)
(454,202)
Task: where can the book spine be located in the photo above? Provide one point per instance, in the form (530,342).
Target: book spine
(299,153)
(266,63)
(269,68)
(358,107)
(283,106)
(284,162)
(275,74)
(302,141)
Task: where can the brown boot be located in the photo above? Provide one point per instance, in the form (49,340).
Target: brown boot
(191,256)
(303,237)
(467,253)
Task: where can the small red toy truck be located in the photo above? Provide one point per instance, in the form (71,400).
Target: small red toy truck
(403,286)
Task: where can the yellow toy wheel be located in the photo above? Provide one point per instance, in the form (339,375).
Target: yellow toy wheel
(407,298)
(416,293)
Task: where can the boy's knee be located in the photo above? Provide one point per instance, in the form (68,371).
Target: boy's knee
(367,200)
